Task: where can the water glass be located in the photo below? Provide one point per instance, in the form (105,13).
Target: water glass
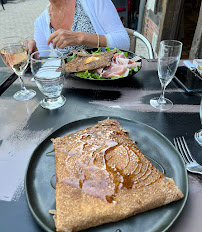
(48,69)
(168,59)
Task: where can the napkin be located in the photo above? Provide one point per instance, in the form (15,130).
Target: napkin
(188,64)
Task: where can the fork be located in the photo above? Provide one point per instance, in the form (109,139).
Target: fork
(142,57)
(190,163)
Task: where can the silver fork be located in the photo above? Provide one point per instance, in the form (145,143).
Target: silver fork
(137,58)
(190,162)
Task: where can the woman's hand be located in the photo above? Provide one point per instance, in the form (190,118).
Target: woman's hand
(31,43)
(62,38)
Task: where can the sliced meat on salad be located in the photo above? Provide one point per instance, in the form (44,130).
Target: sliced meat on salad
(119,66)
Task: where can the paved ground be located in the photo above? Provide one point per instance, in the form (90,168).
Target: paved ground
(19,15)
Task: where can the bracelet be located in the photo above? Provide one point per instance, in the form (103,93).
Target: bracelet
(98,40)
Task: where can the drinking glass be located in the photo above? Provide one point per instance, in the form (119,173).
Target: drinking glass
(15,54)
(168,59)
(198,134)
(48,69)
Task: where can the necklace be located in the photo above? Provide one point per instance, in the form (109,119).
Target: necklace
(56,16)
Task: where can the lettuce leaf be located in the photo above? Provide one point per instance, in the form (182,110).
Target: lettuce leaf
(88,74)
(70,57)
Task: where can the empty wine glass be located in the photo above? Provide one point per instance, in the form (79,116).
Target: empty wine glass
(168,59)
(198,134)
(14,53)
(48,69)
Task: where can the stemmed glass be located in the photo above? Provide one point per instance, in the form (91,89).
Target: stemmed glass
(15,54)
(168,59)
(198,134)
(48,68)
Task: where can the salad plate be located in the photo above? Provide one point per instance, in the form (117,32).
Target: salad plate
(92,74)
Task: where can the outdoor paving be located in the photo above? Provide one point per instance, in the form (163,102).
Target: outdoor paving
(18,17)
(18,20)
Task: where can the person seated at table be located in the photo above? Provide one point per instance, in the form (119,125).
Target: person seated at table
(79,24)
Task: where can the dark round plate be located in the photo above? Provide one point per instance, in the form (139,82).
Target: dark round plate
(130,55)
(41,169)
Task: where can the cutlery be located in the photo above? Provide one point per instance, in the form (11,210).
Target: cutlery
(190,163)
(148,60)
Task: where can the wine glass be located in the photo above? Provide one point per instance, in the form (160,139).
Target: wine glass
(14,53)
(168,59)
(198,134)
(48,68)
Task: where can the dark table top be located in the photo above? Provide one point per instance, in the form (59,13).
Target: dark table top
(24,125)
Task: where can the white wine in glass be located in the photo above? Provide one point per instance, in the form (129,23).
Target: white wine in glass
(2,54)
(14,53)
(168,59)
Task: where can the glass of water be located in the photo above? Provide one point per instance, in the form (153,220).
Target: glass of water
(168,59)
(48,69)
(198,134)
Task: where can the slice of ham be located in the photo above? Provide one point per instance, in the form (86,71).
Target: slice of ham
(115,71)
(134,64)
(119,55)
(99,70)
(119,66)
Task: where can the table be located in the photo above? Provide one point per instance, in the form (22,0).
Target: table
(25,124)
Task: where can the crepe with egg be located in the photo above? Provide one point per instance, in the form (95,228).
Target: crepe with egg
(84,61)
(102,176)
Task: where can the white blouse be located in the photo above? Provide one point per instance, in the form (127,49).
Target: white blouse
(81,23)
(104,18)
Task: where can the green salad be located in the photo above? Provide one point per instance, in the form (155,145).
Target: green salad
(91,74)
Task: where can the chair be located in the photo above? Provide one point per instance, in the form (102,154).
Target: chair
(2,4)
(134,35)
